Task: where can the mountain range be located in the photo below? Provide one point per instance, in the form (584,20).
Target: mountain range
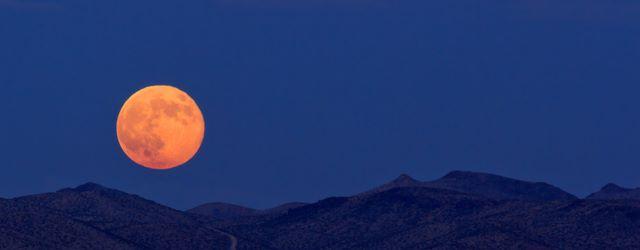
(459,210)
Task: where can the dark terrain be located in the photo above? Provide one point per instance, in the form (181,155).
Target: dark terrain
(614,192)
(459,210)
(488,185)
(226,211)
(91,216)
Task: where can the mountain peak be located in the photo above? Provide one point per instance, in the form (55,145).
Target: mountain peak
(612,187)
(89,186)
(612,191)
(404,179)
(454,174)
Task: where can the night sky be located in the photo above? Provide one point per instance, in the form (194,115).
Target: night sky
(309,99)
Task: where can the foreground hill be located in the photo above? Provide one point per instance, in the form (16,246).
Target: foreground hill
(25,226)
(138,222)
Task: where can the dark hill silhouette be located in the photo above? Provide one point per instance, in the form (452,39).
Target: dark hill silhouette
(403,180)
(613,192)
(423,218)
(138,221)
(347,222)
(498,187)
(461,210)
(488,185)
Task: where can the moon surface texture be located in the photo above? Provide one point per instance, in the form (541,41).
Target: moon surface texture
(160,127)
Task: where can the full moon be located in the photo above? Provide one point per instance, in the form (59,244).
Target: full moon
(160,127)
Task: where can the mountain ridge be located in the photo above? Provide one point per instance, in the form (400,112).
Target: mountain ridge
(459,210)
(500,188)
(425,217)
(612,191)
(489,185)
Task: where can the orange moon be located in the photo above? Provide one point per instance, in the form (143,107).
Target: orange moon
(160,127)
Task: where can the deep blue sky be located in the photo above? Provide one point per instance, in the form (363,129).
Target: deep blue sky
(309,99)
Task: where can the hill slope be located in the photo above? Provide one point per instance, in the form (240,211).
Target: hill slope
(28,226)
(141,222)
